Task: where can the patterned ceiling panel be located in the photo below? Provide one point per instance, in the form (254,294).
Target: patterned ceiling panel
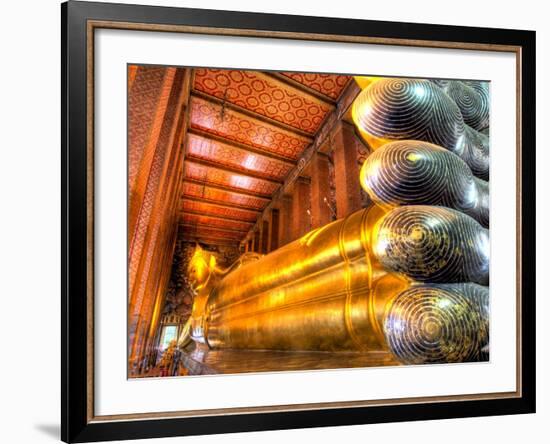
(243,125)
(214,210)
(244,129)
(198,232)
(204,192)
(264,95)
(213,222)
(222,154)
(330,85)
(227,179)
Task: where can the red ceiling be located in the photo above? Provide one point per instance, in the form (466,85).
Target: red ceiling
(199,147)
(247,130)
(195,219)
(329,85)
(237,127)
(197,231)
(236,182)
(262,94)
(212,209)
(216,195)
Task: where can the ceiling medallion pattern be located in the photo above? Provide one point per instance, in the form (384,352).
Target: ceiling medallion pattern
(247,131)
(240,128)
(264,95)
(330,85)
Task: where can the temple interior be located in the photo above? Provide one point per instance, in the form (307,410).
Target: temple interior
(248,220)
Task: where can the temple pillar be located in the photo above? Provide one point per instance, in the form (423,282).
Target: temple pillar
(257,241)
(274,230)
(320,190)
(301,218)
(285,219)
(348,187)
(264,237)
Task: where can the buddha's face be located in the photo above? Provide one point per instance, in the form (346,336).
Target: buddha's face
(200,268)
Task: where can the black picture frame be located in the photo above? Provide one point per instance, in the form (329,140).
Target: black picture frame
(77,425)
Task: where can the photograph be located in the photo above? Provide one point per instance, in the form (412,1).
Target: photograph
(282,221)
(275,222)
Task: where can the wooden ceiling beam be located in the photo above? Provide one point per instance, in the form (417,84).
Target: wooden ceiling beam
(212,216)
(239,191)
(351,91)
(210,240)
(231,169)
(252,114)
(241,146)
(220,204)
(210,227)
(242,174)
(216,216)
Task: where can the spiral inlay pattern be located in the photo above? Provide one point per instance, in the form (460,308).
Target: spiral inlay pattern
(398,109)
(476,152)
(433,323)
(413,172)
(482,88)
(472,100)
(429,170)
(410,109)
(433,244)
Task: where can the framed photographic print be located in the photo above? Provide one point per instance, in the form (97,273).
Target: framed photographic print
(276,221)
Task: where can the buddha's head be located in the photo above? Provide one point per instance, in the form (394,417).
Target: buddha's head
(200,268)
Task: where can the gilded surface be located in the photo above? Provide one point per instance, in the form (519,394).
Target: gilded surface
(408,275)
(349,286)
(312,294)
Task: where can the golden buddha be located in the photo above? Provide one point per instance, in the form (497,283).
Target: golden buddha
(408,274)
(355,284)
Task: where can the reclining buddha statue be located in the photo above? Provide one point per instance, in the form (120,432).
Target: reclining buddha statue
(407,275)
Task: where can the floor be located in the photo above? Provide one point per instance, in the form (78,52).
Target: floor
(202,362)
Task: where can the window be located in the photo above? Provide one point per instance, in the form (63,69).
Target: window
(168,335)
